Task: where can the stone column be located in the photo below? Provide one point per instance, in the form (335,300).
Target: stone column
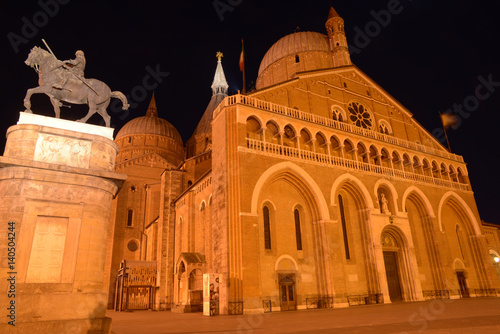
(57,184)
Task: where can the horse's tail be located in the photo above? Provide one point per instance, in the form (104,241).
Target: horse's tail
(119,95)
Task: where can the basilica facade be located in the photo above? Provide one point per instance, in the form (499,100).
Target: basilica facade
(317,189)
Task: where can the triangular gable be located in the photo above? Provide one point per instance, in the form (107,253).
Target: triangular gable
(353,73)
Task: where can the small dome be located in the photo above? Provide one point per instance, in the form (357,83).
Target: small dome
(295,43)
(150,124)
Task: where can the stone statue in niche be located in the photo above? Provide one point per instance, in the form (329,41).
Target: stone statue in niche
(64,81)
(384,205)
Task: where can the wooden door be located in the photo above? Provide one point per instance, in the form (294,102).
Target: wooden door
(464,291)
(391,270)
(287,293)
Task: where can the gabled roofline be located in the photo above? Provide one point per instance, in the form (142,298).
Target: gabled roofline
(337,70)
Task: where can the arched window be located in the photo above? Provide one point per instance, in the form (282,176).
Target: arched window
(267,228)
(396,161)
(335,147)
(321,144)
(458,232)
(426,168)
(453,174)
(406,163)
(338,114)
(460,176)
(297,59)
(272,133)
(344,230)
(444,171)
(130,218)
(289,137)
(386,161)
(435,170)
(384,127)
(374,159)
(298,235)
(305,140)
(362,155)
(348,150)
(253,128)
(417,167)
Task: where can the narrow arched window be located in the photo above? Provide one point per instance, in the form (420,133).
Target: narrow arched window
(298,235)
(130,217)
(457,230)
(267,228)
(344,230)
(297,59)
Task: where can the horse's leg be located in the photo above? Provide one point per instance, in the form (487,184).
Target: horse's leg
(31,91)
(92,110)
(57,109)
(101,109)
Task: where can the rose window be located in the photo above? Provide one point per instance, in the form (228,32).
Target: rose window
(359,115)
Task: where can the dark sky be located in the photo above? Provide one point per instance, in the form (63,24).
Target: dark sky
(430,56)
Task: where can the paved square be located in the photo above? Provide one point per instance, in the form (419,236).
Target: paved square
(479,315)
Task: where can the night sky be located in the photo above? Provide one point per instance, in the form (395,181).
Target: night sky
(431,56)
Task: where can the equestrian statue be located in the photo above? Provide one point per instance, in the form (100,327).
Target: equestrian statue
(64,81)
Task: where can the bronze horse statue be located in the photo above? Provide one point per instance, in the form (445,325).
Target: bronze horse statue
(77,90)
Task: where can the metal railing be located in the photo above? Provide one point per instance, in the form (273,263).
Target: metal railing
(319,302)
(323,121)
(485,292)
(330,160)
(267,306)
(235,308)
(436,294)
(371,298)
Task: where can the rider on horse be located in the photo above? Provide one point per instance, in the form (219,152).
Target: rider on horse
(75,66)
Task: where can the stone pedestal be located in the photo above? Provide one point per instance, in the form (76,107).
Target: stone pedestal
(56,188)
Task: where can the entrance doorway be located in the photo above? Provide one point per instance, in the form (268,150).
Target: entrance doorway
(391,270)
(464,291)
(287,292)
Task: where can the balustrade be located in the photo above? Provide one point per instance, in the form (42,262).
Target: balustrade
(305,116)
(331,161)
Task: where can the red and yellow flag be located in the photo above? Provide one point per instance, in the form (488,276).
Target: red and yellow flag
(448,120)
(242,57)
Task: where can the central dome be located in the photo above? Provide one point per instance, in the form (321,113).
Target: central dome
(150,125)
(295,43)
(297,52)
(150,134)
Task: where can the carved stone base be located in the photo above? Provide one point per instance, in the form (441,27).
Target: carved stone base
(56,187)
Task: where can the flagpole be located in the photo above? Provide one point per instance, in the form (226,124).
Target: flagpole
(444,129)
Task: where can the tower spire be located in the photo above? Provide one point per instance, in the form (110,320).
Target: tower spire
(338,41)
(219,85)
(152,110)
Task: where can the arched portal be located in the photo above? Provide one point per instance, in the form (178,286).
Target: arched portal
(397,262)
(291,213)
(465,244)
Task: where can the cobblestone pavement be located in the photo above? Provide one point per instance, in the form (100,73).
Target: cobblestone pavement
(477,315)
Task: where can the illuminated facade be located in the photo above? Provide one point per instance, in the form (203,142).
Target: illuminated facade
(318,189)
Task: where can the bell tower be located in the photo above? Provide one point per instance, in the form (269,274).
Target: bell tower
(338,42)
